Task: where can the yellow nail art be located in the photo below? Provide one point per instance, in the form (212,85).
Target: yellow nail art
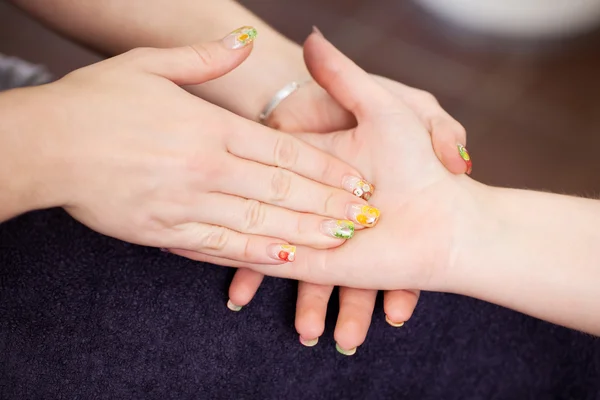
(392,323)
(359,187)
(233,307)
(350,352)
(364,215)
(241,37)
(464,154)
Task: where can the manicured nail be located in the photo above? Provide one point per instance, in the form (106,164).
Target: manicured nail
(340,228)
(350,352)
(240,38)
(233,307)
(317,31)
(283,252)
(464,154)
(309,343)
(165,250)
(392,323)
(359,187)
(363,214)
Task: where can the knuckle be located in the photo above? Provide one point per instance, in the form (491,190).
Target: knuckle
(215,238)
(203,55)
(254,217)
(425,97)
(281,185)
(286,151)
(329,203)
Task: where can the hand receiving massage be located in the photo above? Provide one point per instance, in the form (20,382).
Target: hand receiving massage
(443,232)
(312,109)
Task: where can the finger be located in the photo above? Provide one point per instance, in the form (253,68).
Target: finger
(269,147)
(399,305)
(346,82)
(354,319)
(311,310)
(446,132)
(198,63)
(222,242)
(285,189)
(256,218)
(243,288)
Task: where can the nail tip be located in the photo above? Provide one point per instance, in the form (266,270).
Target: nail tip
(233,307)
(309,343)
(392,323)
(350,352)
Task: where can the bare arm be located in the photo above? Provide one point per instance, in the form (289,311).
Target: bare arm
(115,26)
(537,253)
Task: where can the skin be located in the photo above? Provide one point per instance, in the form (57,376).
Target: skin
(115,26)
(533,252)
(130,154)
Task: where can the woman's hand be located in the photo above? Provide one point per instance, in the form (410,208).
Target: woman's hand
(138,158)
(312,109)
(427,212)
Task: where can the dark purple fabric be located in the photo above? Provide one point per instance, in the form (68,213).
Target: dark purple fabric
(83,316)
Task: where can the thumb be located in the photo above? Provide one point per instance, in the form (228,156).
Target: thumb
(198,63)
(345,81)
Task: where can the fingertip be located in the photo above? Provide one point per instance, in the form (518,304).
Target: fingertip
(244,286)
(350,333)
(399,306)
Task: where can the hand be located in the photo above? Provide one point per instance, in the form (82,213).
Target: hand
(142,160)
(427,212)
(312,109)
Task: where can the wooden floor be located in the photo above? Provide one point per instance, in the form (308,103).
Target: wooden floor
(532,110)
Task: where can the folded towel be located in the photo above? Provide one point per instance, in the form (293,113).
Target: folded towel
(84,316)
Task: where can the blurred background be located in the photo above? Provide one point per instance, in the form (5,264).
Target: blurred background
(527,90)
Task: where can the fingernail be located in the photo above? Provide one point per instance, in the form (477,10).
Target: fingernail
(363,214)
(340,228)
(350,352)
(165,250)
(358,186)
(464,154)
(233,307)
(240,38)
(317,31)
(282,252)
(309,343)
(392,323)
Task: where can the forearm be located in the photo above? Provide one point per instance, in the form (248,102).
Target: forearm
(25,182)
(539,254)
(115,26)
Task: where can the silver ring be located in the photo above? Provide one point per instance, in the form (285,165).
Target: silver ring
(278,98)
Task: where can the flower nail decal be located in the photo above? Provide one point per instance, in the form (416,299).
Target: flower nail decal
(241,37)
(359,187)
(464,154)
(340,229)
(364,215)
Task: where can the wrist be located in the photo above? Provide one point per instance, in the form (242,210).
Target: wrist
(28,175)
(274,63)
(473,226)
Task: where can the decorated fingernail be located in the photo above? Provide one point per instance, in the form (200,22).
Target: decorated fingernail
(358,186)
(350,352)
(233,307)
(283,252)
(392,323)
(340,228)
(464,154)
(309,343)
(241,37)
(363,214)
